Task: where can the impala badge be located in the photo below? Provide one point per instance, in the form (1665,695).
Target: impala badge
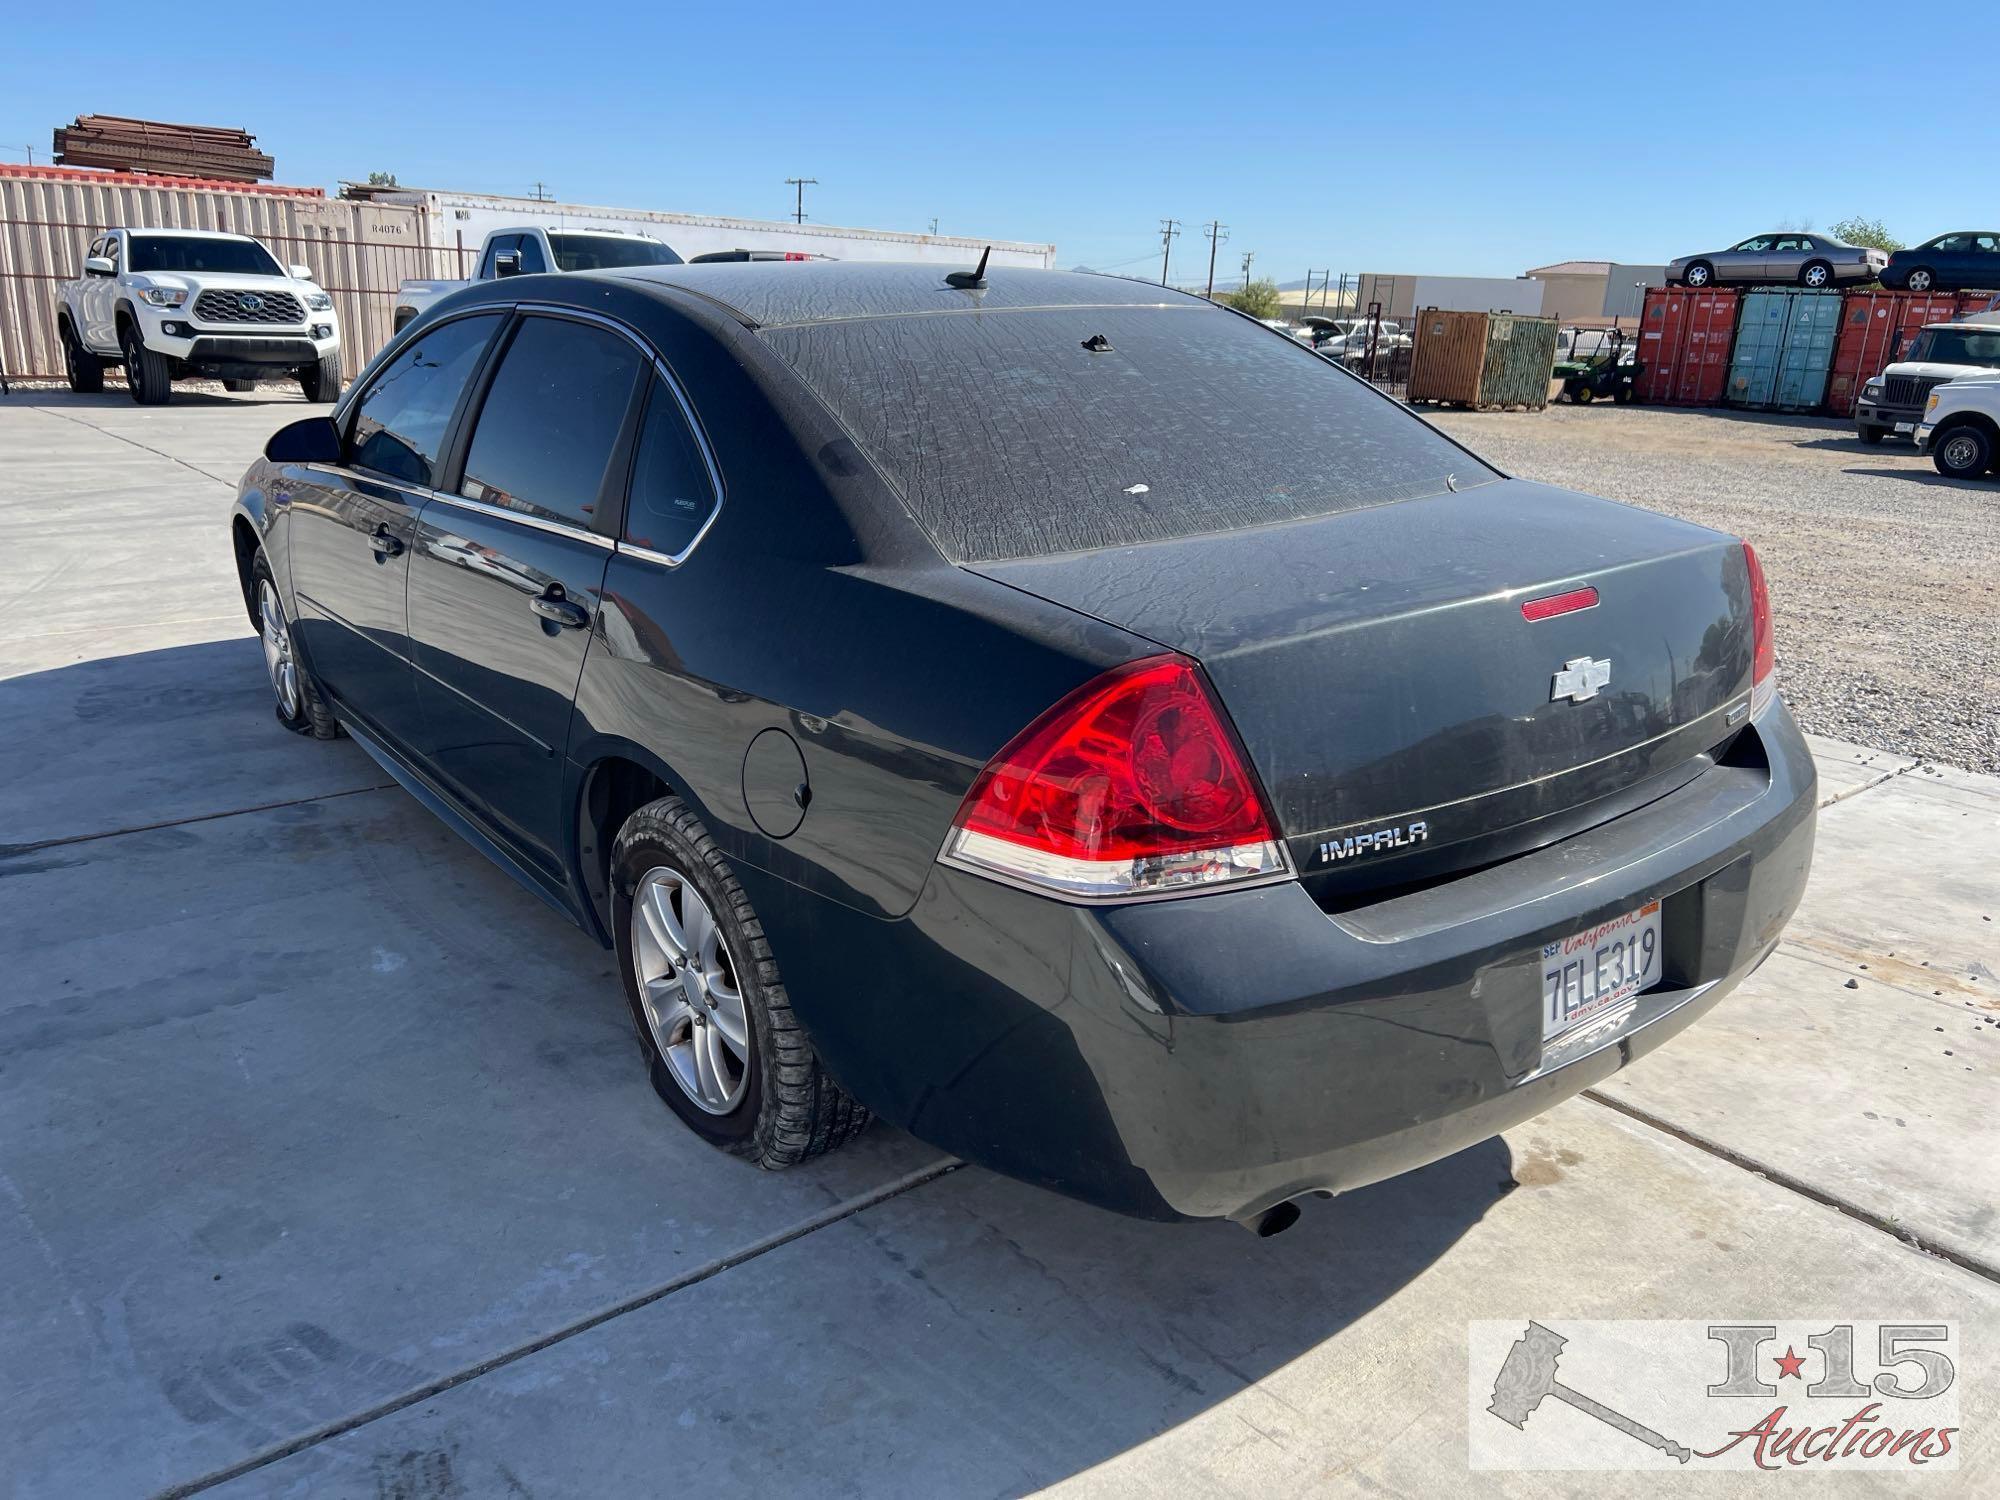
(1580,678)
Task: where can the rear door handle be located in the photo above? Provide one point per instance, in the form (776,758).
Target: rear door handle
(384,544)
(565,612)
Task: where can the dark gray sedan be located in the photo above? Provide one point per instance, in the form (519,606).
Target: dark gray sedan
(1791,256)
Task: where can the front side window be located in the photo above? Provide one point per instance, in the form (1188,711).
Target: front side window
(1948,242)
(1958,346)
(550,421)
(607,252)
(400,422)
(532,261)
(188,252)
(672,493)
(506,244)
(1756,246)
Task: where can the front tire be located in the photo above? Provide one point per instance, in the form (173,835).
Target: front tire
(298,703)
(1699,275)
(321,380)
(1964,452)
(1871,435)
(1922,279)
(84,369)
(714,1021)
(147,373)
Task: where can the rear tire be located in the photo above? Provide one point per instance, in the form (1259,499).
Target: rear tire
(297,700)
(1922,279)
(1816,274)
(1625,395)
(84,369)
(239,386)
(321,380)
(1583,395)
(1963,452)
(692,980)
(147,374)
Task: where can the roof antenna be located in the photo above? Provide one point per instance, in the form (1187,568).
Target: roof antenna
(970,281)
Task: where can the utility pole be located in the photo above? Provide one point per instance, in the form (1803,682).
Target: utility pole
(799,203)
(1169,231)
(541,194)
(1248,256)
(933,223)
(1215,237)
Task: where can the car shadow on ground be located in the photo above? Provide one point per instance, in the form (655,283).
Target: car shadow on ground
(1926,475)
(1081,1334)
(116,394)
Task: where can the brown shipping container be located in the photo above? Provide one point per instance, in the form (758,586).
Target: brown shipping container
(1449,356)
(360,252)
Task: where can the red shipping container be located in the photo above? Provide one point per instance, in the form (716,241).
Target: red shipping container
(1684,340)
(1875,327)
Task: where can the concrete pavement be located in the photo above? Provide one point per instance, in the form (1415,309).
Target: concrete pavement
(327,1166)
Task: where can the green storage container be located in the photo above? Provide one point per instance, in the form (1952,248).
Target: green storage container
(1520,361)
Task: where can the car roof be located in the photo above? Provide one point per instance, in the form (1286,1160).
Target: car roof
(186,234)
(775,294)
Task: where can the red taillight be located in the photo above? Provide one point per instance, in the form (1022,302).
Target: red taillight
(1133,784)
(1550,605)
(1764,652)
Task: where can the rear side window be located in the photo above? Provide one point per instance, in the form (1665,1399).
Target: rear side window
(1007,437)
(607,252)
(550,420)
(400,421)
(672,491)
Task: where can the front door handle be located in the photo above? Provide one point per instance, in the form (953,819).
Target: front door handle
(565,612)
(384,544)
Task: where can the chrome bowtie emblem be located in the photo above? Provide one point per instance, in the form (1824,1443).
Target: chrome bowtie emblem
(249,302)
(1580,678)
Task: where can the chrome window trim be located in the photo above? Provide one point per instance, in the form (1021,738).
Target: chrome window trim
(535,523)
(666,377)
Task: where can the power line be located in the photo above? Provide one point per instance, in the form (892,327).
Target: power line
(1170,230)
(541,194)
(799,204)
(1215,237)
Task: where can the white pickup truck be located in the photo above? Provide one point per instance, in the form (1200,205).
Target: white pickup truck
(532,249)
(173,304)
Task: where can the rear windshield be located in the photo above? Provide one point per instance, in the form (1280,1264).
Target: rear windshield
(163,252)
(1957,346)
(607,252)
(1008,438)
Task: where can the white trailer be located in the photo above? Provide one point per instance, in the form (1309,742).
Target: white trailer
(459,222)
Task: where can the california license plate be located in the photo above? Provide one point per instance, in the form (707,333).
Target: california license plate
(1595,971)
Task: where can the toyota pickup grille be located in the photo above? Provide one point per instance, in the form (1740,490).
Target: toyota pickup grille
(248,307)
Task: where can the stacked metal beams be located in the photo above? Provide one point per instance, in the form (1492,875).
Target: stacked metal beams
(128,145)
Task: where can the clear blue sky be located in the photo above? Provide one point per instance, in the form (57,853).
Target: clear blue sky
(1449,138)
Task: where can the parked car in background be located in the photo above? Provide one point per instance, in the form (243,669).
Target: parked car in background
(1221,788)
(1809,260)
(1893,402)
(1354,342)
(1965,259)
(178,304)
(534,249)
(1961,428)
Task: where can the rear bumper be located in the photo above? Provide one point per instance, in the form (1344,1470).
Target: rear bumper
(1214,1056)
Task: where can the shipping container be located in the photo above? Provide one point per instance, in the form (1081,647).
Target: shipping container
(1783,349)
(360,252)
(1684,341)
(1449,356)
(1875,328)
(460,222)
(1520,361)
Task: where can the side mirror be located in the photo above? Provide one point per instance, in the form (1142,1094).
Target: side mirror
(99,265)
(312,440)
(302,273)
(507,263)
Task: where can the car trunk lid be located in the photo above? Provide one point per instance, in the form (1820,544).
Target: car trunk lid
(1405,716)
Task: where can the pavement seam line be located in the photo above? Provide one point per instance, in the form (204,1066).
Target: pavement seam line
(1777,1175)
(845,1209)
(8,851)
(143,448)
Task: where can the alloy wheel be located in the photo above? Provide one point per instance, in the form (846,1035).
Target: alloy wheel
(134,365)
(1815,275)
(690,990)
(278,661)
(1697,276)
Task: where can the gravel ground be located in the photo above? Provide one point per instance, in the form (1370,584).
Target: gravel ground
(1885,577)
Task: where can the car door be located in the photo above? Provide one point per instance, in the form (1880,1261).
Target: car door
(1788,257)
(1977,263)
(352,526)
(509,568)
(100,299)
(1744,262)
